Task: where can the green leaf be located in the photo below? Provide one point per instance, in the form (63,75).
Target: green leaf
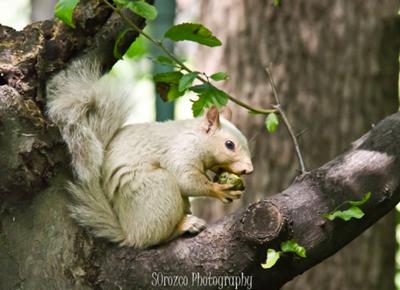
(364,199)
(187,80)
(292,246)
(219,76)
(174,93)
(219,98)
(117,44)
(168,92)
(353,212)
(138,48)
(199,106)
(122,2)
(277,3)
(271,122)
(208,96)
(346,215)
(193,32)
(165,60)
(143,9)
(167,85)
(64,10)
(272,257)
(172,77)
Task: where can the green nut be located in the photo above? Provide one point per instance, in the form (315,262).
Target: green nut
(230,178)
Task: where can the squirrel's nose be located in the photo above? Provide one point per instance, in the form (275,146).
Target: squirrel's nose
(248,170)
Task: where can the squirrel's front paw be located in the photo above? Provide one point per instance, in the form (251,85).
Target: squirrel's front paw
(192,224)
(225,193)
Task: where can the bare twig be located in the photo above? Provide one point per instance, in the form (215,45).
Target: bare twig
(180,64)
(285,119)
(298,135)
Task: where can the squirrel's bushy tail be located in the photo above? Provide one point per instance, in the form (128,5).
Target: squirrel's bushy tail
(89,111)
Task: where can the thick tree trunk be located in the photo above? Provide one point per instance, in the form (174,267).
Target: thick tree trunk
(40,248)
(335,64)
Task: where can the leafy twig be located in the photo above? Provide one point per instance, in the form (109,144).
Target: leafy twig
(285,119)
(354,211)
(290,246)
(181,65)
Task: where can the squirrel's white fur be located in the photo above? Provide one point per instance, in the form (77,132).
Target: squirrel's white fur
(133,181)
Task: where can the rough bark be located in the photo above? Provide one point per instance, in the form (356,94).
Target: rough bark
(27,59)
(40,247)
(335,64)
(238,242)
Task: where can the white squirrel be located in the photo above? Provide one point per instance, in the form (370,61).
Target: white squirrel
(133,181)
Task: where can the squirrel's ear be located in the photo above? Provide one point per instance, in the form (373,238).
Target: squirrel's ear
(211,120)
(226,113)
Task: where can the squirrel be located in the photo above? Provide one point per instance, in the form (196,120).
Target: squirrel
(133,181)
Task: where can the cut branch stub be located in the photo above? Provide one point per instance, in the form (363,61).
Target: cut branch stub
(261,222)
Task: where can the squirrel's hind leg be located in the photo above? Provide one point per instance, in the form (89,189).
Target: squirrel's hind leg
(150,213)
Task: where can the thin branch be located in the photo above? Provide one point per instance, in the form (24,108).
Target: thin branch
(298,135)
(181,65)
(285,119)
(163,63)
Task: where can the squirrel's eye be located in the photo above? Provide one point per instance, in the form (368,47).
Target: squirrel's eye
(230,145)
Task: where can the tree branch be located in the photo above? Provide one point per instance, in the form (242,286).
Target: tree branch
(285,119)
(238,242)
